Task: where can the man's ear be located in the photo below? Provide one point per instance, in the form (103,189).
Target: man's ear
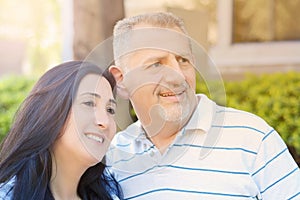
(118,75)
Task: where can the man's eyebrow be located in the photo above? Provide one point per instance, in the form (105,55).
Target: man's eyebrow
(151,58)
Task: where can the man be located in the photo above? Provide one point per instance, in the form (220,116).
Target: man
(185,146)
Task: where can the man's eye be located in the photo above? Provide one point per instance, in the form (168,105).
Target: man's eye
(182,60)
(111,110)
(89,103)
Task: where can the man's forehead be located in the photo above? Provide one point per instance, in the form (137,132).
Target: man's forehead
(153,39)
(149,53)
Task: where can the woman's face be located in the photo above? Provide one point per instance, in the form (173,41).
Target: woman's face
(90,126)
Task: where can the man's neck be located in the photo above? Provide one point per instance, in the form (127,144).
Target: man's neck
(164,137)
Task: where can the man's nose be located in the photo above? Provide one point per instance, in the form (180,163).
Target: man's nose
(173,71)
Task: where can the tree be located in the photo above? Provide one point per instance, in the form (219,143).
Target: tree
(93,23)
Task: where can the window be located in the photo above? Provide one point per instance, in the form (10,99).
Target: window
(267,20)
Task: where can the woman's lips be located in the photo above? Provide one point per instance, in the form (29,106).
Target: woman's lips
(95,137)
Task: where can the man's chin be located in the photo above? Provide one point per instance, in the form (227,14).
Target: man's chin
(175,113)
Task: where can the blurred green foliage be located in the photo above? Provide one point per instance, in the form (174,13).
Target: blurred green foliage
(13,90)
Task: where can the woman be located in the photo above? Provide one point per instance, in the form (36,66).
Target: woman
(60,134)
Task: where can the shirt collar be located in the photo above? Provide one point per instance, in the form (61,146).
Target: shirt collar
(203,115)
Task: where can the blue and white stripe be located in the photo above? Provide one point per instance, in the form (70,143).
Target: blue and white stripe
(247,160)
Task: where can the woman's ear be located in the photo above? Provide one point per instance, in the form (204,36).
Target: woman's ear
(118,75)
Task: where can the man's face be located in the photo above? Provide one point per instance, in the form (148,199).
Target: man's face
(156,71)
(161,85)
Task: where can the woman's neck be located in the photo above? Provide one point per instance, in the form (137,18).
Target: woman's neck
(65,179)
(64,185)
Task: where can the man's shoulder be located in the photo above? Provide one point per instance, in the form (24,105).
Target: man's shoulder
(225,115)
(241,118)
(132,132)
(127,138)
(243,114)
(125,145)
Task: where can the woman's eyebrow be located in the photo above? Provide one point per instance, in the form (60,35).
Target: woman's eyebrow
(91,94)
(113,101)
(98,96)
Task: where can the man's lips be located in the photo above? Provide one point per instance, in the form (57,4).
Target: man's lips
(171,93)
(171,96)
(167,94)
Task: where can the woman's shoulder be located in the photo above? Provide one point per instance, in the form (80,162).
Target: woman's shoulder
(6,189)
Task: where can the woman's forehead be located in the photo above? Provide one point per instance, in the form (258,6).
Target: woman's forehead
(95,84)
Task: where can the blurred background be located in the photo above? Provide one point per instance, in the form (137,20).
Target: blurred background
(239,35)
(242,37)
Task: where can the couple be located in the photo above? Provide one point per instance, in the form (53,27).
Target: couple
(63,129)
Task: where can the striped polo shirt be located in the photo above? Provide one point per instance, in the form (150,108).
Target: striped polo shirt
(221,153)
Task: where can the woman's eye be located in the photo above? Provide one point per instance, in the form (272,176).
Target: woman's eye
(89,103)
(182,60)
(111,110)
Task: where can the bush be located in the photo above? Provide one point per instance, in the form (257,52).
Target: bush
(13,90)
(275,98)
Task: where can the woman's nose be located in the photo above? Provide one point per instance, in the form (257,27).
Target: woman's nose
(101,120)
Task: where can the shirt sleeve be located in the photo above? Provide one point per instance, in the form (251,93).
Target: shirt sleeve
(275,171)
(111,187)
(6,190)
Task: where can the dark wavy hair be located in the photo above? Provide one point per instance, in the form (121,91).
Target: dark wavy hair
(25,152)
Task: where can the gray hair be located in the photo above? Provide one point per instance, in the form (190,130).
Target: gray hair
(159,19)
(155,19)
